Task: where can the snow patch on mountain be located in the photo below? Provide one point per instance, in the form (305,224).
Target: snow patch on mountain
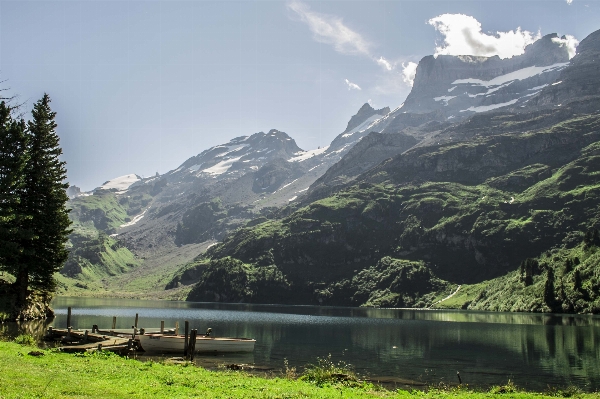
(485,108)
(363,126)
(120,183)
(232,149)
(135,219)
(520,74)
(304,155)
(445,99)
(192,168)
(221,167)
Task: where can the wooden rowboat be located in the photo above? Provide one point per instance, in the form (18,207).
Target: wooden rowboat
(175,343)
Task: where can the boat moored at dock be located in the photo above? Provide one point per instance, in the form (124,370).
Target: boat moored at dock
(156,342)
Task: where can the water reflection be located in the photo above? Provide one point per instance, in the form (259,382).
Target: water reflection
(420,345)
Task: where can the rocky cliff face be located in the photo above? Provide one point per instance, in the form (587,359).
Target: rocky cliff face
(579,81)
(365,112)
(366,154)
(462,85)
(453,88)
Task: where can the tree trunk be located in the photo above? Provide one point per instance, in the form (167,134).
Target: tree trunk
(21,286)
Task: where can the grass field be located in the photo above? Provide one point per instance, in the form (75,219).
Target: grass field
(29,372)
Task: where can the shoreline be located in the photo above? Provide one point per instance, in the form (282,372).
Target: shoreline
(29,371)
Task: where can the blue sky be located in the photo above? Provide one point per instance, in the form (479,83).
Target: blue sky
(140,86)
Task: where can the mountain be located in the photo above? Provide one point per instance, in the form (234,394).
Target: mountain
(132,228)
(453,88)
(447,90)
(400,209)
(469,203)
(457,222)
(461,86)
(73,192)
(580,82)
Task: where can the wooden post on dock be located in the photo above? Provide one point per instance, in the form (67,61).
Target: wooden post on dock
(185,343)
(85,336)
(192,345)
(68,317)
(136,320)
(95,329)
(162,327)
(176,328)
(114,325)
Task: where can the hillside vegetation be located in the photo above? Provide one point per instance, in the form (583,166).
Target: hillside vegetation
(418,225)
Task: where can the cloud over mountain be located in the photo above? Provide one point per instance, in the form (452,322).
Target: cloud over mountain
(568,41)
(462,35)
(409,70)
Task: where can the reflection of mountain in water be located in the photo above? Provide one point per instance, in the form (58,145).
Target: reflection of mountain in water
(489,353)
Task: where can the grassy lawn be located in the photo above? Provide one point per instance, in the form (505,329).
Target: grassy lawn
(58,375)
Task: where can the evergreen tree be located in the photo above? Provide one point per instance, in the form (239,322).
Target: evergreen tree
(13,157)
(530,266)
(44,202)
(592,238)
(549,289)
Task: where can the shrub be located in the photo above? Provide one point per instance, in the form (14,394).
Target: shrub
(509,387)
(327,372)
(25,340)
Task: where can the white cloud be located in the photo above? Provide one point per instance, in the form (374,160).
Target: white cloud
(409,70)
(463,36)
(352,86)
(384,63)
(568,41)
(331,30)
(569,2)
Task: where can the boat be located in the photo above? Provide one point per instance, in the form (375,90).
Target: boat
(157,342)
(132,332)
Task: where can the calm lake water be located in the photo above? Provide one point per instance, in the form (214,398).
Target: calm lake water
(394,345)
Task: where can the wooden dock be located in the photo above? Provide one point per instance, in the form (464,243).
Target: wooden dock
(84,341)
(121,341)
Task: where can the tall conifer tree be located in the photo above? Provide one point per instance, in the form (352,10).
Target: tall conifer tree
(13,157)
(44,202)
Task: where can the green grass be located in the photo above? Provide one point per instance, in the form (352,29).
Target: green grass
(465,295)
(102,211)
(27,372)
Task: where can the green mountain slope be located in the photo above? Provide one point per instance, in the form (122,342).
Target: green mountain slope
(421,223)
(561,280)
(94,254)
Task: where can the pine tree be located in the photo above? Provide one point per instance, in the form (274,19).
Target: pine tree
(13,157)
(530,267)
(549,298)
(44,202)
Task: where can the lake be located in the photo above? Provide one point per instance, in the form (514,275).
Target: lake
(398,346)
